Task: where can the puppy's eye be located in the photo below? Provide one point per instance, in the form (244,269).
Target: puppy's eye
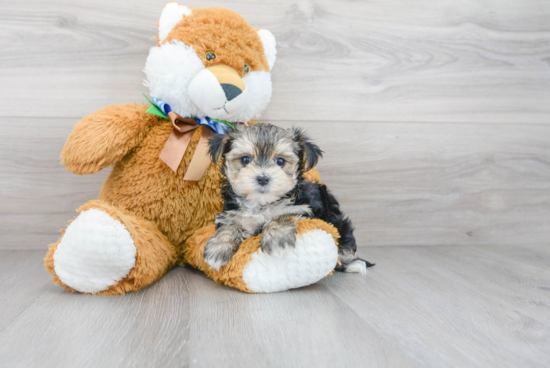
(210,55)
(280,161)
(245,160)
(246,69)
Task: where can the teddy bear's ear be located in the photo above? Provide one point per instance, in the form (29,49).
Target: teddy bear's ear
(171,15)
(269,46)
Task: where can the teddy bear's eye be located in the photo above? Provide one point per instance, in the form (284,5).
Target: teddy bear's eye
(246,69)
(210,55)
(245,160)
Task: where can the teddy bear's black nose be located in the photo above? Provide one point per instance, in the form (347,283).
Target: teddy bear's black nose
(231,91)
(263,180)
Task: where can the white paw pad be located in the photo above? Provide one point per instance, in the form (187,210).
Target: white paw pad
(313,258)
(96,252)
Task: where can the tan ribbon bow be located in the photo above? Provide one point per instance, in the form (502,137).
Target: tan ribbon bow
(177,144)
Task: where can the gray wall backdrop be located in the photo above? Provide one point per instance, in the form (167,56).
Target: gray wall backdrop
(434,116)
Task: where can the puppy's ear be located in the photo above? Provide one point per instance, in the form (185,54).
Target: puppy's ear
(219,144)
(309,151)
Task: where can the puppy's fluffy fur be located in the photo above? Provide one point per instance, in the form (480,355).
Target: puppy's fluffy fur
(264,191)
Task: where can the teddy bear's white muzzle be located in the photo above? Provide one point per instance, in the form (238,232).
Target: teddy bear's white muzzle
(217,100)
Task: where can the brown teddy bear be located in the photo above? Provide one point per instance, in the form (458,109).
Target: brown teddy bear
(209,71)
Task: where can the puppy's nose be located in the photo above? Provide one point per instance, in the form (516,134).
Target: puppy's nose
(231,91)
(263,180)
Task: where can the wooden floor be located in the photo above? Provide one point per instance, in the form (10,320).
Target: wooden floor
(446,306)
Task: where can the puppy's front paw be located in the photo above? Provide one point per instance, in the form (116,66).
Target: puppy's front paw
(218,252)
(277,237)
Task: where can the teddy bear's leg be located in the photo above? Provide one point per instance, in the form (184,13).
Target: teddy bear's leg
(251,270)
(106,250)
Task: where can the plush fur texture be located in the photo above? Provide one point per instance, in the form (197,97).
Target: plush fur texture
(224,31)
(171,15)
(268,41)
(106,136)
(155,255)
(252,206)
(139,181)
(155,205)
(264,191)
(96,252)
(179,72)
(310,260)
(142,185)
(232,273)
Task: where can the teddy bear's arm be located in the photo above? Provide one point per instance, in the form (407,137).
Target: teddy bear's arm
(312,176)
(107,135)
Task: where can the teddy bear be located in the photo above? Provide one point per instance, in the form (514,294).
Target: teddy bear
(209,70)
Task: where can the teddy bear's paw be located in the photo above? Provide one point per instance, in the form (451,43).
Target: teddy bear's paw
(96,252)
(312,259)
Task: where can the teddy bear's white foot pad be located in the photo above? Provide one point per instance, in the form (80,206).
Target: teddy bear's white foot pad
(313,258)
(95,252)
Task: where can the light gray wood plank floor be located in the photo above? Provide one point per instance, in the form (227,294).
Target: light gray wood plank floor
(444,306)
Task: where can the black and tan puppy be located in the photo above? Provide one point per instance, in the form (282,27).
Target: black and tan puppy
(264,192)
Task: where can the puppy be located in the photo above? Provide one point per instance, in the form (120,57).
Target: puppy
(264,192)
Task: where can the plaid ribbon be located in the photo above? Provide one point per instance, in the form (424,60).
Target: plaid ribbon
(219,126)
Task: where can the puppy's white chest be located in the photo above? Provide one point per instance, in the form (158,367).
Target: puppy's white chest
(251,224)
(253,218)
